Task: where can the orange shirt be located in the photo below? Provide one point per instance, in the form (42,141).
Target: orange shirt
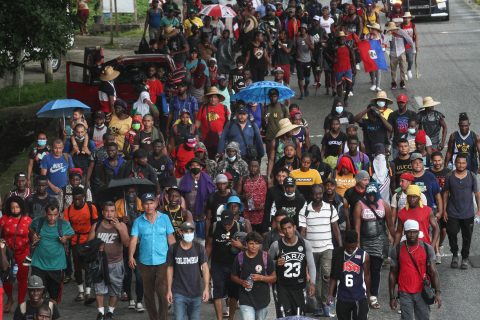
(81,221)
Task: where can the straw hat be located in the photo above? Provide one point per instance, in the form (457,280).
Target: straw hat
(341,34)
(382,95)
(391,26)
(407,15)
(213,91)
(375,26)
(285,126)
(429,102)
(170,31)
(109,74)
(250,24)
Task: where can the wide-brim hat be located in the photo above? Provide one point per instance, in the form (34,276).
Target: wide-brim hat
(391,26)
(382,95)
(170,31)
(250,24)
(109,74)
(407,15)
(375,26)
(197,160)
(429,102)
(285,126)
(213,91)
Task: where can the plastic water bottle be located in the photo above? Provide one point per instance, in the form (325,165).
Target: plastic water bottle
(477,220)
(250,284)
(250,204)
(15,270)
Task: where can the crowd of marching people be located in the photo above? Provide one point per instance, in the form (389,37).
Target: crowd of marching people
(168,203)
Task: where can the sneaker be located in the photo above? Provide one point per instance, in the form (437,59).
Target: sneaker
(350,94)
(409,74)
(109,316)
(89,299)
(373,88)
(464,264)
(80,297)
(402,84)
(67,279)
(394,85)
(131,304)
(294,73)
(357,66)
(139,307)
(438,259)
(124,297)
(454,263)
(327,312)
(379,89)
(27,261)
(100,316)
(440,249)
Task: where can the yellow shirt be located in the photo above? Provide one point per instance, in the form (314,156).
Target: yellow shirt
(307,178)
(119,130)
(187,24)
(344,182)
(385,113)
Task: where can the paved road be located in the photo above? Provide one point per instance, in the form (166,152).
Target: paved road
(449,64)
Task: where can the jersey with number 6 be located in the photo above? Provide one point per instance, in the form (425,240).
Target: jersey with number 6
(351,285)
(293,273)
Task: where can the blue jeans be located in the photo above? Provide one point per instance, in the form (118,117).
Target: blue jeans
(249,313)
(186,307)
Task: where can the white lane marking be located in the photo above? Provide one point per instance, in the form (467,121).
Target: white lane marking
(459,31)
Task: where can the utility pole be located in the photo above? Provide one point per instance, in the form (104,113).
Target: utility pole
(116,19)
(111,23)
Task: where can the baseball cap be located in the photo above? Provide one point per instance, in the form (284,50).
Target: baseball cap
(187,225)
(222,77)
(99,114)
(415,156)
(316,18)
(242,109)
(289,181)
(278,69)
(185,111)
(304,25)
(407,176)
(35,282)
(402,98)
(226,217)
(191,142)
(148,197)
(221,178)
(411,225)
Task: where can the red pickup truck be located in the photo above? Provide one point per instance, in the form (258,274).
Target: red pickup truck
(83,81)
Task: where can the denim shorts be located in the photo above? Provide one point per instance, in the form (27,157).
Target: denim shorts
(344,75)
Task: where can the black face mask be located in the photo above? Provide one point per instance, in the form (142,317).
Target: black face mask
(195,171)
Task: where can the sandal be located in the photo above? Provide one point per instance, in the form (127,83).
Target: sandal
(374,303)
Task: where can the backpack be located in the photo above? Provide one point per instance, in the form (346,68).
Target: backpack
(241,257)
(40,224)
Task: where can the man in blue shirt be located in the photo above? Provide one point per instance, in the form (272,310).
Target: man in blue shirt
(155,232)
(428,184)
(55,166)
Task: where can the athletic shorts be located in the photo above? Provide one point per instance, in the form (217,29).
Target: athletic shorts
(53,281)
(303,70)
(116,272)
(223,286)
(344,76)
(291,300)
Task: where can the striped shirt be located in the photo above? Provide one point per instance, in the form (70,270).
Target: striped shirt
(318,226)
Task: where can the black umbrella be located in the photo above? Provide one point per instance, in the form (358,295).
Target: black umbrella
(116,188)
(296,318)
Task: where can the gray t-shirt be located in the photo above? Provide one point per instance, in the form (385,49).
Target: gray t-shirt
(186,264)
(460,199)
(303,52)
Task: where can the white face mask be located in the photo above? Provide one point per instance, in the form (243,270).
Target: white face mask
(100,126)
(381,104)
(188,237)
(412,130)
(339,109)
(289,195)
(231,159)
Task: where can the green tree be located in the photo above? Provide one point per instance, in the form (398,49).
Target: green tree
(33,30)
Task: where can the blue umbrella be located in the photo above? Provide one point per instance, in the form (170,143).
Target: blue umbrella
(61,108)
(258,92)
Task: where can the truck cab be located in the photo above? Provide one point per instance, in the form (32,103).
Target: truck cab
(426,8)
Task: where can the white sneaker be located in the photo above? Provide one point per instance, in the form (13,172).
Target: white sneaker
(379,89)
(409,74)
(357,66)
(373,88)
(131,304)
(139,307)
(350,94)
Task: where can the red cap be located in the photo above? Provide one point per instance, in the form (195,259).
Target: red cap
(229,176)
(421,137)
(407,176)
(402,98)
(294,112)
(75,171)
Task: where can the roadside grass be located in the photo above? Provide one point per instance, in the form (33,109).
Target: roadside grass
(32,93)
(19,163)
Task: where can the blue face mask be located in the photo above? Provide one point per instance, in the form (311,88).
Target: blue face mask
(188,237)
(231,159)
(42,142)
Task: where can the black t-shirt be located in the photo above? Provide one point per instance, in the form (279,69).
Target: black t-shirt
(400,123)
(186,269)
(175,44)
(441,176)
(280,56)
(373,132)
(30,312)
(36,206)
(258,56)
(37,155)
(221,243)
(144,140)
(214,201)
(237,79)
(107,88)
(259,296)
(352,196)
(400,166)
(291,206)
(162,166)
(333,145)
